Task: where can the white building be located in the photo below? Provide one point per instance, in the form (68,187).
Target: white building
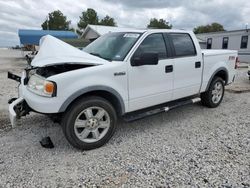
(92,32)
(203,43)
(233,40)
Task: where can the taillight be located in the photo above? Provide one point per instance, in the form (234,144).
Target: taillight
(237,63)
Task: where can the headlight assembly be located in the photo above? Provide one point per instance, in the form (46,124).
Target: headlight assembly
(41,86)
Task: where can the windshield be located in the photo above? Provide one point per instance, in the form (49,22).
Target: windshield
(113,46)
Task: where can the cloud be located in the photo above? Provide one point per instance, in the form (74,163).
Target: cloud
(183,14)
(151,3)
(232,14)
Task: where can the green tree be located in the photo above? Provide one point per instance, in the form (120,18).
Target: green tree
(214,27)
(56,21)
(107,20)
(159,24)
(90,17)
(87,17)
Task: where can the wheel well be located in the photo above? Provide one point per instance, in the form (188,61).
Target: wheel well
(222,74)
(108,96)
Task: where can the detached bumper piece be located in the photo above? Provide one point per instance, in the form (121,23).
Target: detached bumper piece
(47,143)
(17,109)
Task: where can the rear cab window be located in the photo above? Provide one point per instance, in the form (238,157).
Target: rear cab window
(183,44)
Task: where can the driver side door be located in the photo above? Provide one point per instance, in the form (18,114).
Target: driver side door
(150,85)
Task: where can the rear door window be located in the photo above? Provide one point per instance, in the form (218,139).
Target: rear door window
(183,44)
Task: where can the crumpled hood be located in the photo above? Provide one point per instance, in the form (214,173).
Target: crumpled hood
(54,52)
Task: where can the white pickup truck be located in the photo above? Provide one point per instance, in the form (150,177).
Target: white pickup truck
(127,75)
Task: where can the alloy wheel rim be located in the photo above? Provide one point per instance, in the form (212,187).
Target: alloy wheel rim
(217,92)
(92,124)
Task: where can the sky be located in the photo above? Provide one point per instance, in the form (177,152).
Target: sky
(182,14)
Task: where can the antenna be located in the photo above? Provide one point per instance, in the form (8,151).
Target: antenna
(246,27)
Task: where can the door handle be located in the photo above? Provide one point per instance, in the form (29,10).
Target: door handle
(197,64)
(169,68)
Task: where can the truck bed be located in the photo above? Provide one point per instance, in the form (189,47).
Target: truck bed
(217,52)
(215,59)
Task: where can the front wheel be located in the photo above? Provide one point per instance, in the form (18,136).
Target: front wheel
(89,123)
(214,95)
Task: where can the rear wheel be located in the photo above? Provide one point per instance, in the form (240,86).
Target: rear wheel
(89,123)
(214,95)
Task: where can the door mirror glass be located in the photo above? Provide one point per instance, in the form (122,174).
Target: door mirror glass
(145,59)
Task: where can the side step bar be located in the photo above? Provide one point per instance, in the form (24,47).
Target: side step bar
(136,116)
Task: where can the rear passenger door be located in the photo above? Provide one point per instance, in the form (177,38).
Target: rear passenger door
(187,65)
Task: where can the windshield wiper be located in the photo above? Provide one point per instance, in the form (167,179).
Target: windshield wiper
(98,55)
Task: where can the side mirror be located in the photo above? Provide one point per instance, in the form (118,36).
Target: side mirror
(145,59)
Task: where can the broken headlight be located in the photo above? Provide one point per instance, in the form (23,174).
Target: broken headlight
(41,86)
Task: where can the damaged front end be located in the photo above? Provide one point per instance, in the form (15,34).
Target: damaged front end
(37,92)
(17,109)
(52,70)
(18,106)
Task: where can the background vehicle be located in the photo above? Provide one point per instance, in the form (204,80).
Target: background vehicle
(126,75)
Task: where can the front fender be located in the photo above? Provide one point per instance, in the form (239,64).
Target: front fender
(81,92)
(72,84)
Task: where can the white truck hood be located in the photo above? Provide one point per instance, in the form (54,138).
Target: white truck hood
(54,52)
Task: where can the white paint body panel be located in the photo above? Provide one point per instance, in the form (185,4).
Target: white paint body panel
(217,59)
(139,88)
(71,82)
(54,52)
(149,85)
(187,78)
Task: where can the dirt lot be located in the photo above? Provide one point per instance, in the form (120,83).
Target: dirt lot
(192,146)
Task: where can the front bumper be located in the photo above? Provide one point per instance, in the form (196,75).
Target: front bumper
(41,104)
(28,101)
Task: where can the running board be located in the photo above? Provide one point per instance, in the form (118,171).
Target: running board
(137,115)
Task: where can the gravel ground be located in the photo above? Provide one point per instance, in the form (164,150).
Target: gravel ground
(191,146)
(242,82)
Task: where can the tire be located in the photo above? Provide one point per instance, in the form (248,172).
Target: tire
(89,123)
(209,98)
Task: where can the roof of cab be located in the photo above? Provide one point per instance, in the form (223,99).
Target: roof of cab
(155,30)
(101,30)
(168,30)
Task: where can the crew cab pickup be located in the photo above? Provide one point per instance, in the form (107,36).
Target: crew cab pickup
(127,75)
